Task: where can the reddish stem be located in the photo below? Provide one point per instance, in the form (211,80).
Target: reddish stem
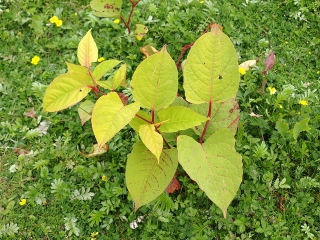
(127,24)
(143,119)
(186,47)
(152,116)
(207,123)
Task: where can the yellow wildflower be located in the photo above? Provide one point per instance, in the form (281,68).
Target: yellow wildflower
(303,102)
(318,72)
(54,19)
(7,10)
(104,178)
(23,201)
(101,59)
(138,37)
(242,70)
(59,23)
(272,90)
(286,42)
(76,14)
(116,21)
(201,2)
(35,60)
(94,234)
(280,106)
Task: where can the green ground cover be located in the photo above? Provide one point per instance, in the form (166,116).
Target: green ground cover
(70,196)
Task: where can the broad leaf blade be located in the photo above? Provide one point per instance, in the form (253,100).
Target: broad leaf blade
(109,116)
(155,82)
(87,50)
(224,114)
(179,118)
(106,8)
(84,110)
(151,139)
(214,165)
(73,68)
(65,91)
(146,179)
(211,70)
(103,68)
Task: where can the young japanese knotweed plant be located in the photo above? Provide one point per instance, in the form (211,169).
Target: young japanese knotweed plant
(197,132)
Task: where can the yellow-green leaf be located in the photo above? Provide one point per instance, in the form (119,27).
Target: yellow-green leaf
(87,50)
(65,91)
(214,165)
(109,116)
(84,111)
(146,178)
(155,82)
(103,68)
(106,8)
(211,70)
(179,118)
(119,79)
(73,68)
(151,139)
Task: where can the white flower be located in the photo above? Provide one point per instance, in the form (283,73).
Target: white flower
(134,224)
(13,168)
(140,219)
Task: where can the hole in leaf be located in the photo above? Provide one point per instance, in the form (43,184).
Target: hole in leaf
(220,77)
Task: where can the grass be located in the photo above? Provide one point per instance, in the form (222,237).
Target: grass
(279,196)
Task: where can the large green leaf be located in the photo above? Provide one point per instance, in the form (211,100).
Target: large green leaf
(65,91)
(211,70)
(106,8)
(179,118)
(103,68)
(87,50)
(151,139)
(214,165)
(109,116)
(224,114)
(155,82)
(146,179)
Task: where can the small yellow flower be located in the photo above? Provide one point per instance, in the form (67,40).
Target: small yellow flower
(309,52)
(298,113)
(59,23)
(242,70)
(35,60)
(104,178)
(272,90)
(7,10)
(76,14)
(138,37)
(318,72)
(54,19)
(116,21)
(23,201)
(280,106)
(303,102)
(101,59)
(94,234)
(201,2)
(286,42)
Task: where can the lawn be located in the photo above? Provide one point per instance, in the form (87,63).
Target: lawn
(50,190)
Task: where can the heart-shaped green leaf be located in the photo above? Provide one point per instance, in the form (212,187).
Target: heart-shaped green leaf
(214,165)
(211,70)
(146,179)
(155,82)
